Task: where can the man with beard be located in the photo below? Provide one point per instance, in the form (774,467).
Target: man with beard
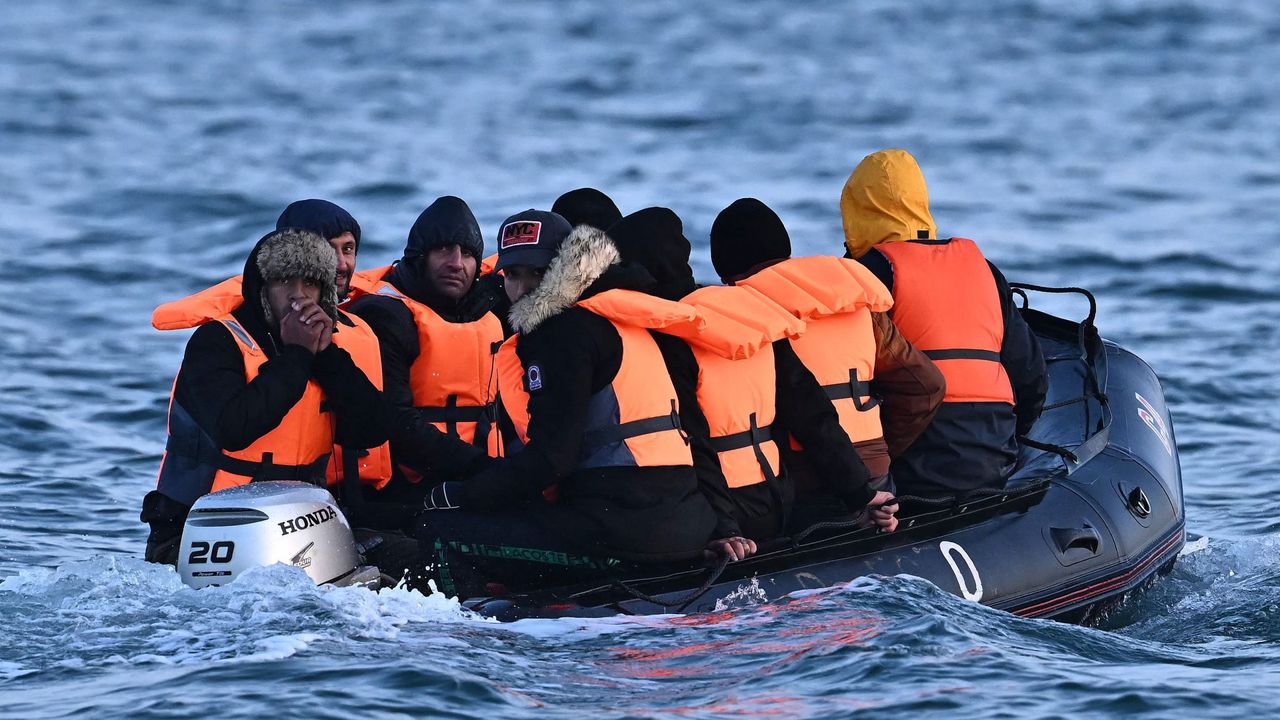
(264,391)
(438,338)
(370,467)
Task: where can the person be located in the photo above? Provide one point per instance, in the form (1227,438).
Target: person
(264,392)
(368,470)
(587,206)
(954,305)
(743,399)
(437,338)
(884,391)
(604,474)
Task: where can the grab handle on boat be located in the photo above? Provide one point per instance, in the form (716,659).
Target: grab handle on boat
(1081,538)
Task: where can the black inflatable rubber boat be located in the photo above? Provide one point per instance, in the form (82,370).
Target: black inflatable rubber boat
(1093,512)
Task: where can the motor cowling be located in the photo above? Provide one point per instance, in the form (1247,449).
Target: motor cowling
(263,523)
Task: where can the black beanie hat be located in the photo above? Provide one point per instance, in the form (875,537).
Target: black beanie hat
(447,221)
(744,236)
(654,239)
(587,206)
(320,217)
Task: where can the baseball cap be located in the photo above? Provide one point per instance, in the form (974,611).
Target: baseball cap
(531,238)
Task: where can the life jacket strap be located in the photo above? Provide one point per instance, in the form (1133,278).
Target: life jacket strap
(854,390)
(754,438)
(963,354)
(635,428)
(747,438)
(451,414)
(268,470)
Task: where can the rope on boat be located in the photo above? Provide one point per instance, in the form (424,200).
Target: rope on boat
(679,603)
(948,500)
(1049,447)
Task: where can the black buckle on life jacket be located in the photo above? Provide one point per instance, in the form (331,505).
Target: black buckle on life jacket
(754,437)
(854,390)
(267,469)
(633,428)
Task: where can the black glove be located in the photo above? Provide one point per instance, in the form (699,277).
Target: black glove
(445,496)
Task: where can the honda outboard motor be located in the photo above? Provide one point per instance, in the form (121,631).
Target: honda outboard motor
(264,523)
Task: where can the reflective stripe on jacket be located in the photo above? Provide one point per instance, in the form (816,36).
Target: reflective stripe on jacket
(947,305)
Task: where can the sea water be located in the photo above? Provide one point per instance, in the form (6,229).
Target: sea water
(1128,146)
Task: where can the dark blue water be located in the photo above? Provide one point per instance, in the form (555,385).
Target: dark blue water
(1127,146)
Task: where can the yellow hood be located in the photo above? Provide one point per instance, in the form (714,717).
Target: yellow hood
(884,200)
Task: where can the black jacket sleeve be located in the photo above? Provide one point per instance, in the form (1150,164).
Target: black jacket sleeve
(1022,359)
(805,411)
(363,417)
(577,354)
(212,387)
(415,442)
(683,368)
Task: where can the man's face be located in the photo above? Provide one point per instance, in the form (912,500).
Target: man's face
(520,280)
(345,245)
(450,270)
(282,294)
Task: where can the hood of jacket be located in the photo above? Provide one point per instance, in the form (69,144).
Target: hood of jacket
(885,200)
(587,263)
(285,254)
(654,239)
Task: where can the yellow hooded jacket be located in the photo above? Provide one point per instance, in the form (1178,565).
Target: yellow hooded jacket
(885,200)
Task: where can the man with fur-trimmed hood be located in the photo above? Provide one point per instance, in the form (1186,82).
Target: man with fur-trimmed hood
(596,412)
(263,393)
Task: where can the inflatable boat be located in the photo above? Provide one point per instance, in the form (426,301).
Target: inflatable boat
(1093,512)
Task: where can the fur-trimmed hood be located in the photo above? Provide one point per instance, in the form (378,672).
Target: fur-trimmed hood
(291,253)
(583,258)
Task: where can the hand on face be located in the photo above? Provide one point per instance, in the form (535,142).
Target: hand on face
(306,325)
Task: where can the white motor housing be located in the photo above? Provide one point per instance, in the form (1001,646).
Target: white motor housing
(263,523)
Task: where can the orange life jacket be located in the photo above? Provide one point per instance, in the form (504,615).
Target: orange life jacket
(739,396)
(634,421)
(297,448)
(835,297)
(947,305)
(352,334)
(453,378)
(372,466)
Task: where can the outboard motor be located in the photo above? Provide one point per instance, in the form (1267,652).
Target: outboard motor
(264,523)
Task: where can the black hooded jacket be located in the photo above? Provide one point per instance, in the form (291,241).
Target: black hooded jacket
(415,442)
(212,389)
(641,511)
(654,238)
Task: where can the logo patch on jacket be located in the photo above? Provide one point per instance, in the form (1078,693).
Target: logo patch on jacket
(522,232)
(533,378)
